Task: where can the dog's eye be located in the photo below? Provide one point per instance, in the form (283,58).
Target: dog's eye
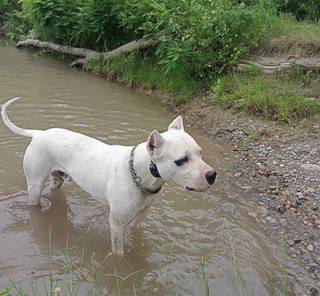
(181,161)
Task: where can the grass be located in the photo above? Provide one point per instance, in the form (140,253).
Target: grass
(136,69)
(204,277)
(283,269)
(288,36)
(235,265)
(281,98)
(74,272)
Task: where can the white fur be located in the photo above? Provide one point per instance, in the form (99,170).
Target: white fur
(103,171)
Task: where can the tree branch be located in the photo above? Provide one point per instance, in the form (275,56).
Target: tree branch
(124,49)
(88,54)
(82,52)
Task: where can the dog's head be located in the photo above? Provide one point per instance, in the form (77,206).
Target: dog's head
(178,158)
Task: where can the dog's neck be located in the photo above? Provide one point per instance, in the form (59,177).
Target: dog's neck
(141,164)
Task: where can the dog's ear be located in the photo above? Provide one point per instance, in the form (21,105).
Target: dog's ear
(155,141)
(177,124)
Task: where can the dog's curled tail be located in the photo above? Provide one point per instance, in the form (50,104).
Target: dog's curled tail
(11,126)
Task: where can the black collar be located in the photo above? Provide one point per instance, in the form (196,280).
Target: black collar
(137,179)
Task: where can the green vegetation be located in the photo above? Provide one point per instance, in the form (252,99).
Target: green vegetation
(278,98)
(290,37)
(301,9)
(204,277)
(143,70)
(201,43)
(284,272)
(74,272)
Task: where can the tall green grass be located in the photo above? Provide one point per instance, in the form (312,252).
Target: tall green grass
(288,36)
(143,70)
(276,98)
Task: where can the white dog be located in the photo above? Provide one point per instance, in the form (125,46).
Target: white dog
(125,177)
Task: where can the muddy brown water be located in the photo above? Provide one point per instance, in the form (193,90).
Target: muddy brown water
(180,229)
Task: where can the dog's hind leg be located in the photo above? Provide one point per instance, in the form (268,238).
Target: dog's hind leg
(36,170)
(35,191)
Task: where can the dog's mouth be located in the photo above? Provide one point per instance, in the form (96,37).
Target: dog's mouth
(190,188)
(196,189)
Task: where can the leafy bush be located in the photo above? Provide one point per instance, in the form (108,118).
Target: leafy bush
(12,22)
(301,9)
(97,25)
(6,8)
(53,20)
(209,36)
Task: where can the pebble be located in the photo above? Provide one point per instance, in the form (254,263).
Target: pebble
(260,166)
(281,209)
(150,276)
(310,248)
(291,242)
(314,151)
(271,219)
(252,214)
(246,187)
(312,268)
(311,167)
(262,211)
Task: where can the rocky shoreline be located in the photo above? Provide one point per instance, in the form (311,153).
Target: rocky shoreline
(280,167)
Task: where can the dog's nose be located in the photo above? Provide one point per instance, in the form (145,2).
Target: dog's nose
(211,176)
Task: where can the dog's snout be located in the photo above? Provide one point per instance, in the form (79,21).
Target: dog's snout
(211,176)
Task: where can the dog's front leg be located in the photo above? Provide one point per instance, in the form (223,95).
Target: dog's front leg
(118,232)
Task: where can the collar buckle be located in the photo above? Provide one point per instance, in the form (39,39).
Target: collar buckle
(137,179)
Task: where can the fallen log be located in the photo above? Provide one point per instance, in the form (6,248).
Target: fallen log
(124,49)
(88,54)
(76,51)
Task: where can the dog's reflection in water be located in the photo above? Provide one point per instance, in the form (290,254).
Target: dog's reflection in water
(52,220)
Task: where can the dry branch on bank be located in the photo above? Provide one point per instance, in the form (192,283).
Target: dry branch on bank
(88,54)
(273,66)
(81,52)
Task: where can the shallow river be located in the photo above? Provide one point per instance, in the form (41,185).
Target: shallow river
(68,241)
